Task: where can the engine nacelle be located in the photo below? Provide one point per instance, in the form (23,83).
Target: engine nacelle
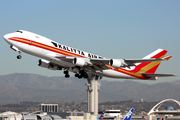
(46,64)
(43,63)
(79,62)
(115,63)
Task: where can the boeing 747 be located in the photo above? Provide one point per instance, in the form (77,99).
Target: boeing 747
(56,56)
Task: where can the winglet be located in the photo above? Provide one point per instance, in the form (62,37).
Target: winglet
(167,58)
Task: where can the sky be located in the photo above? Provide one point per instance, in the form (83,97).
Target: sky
(112,29)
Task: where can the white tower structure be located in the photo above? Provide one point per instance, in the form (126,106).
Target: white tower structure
(92,93)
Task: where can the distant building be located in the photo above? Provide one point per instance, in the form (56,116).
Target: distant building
(48,107)
(10,116)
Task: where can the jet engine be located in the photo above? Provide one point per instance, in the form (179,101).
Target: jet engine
(115,63)
(47,64)
(79,62)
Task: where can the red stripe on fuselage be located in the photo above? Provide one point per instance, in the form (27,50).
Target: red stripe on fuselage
(44,46)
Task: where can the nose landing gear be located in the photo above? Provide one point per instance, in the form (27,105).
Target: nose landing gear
(19,56)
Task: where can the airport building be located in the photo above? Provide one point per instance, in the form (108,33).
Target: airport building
(48,107)
(169,114)
(154,114)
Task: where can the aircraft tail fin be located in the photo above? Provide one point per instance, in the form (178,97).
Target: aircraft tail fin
(129,114)
(102,115)
(151,67)
(160,118)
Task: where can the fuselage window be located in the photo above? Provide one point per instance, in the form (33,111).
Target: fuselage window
(95,56)
(55,44)
(71,50)
(64,47)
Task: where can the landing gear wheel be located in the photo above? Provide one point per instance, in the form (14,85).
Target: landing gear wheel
(65,72)
(19,57)
(76,75)
(80,76)
(67,76)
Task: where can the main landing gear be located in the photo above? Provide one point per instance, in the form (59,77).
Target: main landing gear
(81,74)
(66,74)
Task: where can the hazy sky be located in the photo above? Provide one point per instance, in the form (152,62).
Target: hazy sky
(110,28)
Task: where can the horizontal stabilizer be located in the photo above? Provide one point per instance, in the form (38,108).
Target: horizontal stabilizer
(167,58)
(156,75)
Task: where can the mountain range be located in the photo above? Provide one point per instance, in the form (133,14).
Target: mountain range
(19,87)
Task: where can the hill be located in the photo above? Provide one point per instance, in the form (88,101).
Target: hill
(20,87)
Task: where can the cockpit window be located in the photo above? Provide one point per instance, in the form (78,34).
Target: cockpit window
(19,31)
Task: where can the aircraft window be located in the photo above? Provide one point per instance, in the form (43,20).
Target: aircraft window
(19,31)
(64,47)
(95,56)
(60,46)
(71,50)
(55,44)
(100,57)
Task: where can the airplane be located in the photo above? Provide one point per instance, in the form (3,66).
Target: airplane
(56,56)
(127,117)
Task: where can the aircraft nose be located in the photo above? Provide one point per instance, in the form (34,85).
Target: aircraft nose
(6,37)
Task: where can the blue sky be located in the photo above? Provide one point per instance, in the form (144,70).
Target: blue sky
(113,29)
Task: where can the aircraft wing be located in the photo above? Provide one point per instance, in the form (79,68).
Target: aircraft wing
(100,64)
(142,60)
(146,60)
(127,62)
(156,75)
